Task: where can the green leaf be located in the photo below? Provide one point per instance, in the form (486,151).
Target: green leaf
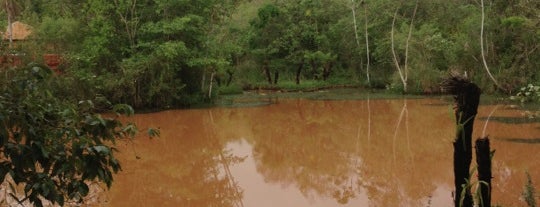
(130,129)
(101,149)
(153,132)
(83,189)
(123,109)
(45,189)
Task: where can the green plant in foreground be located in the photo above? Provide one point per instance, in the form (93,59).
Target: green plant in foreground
(469,184)
(528,93)
(50,148)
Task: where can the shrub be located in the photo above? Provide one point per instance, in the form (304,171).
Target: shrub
(53,147)
(529,93)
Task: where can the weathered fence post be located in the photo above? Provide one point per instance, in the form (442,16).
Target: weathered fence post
(483,160)
(466,98)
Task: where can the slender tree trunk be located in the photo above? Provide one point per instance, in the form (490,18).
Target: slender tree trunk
(203,81)
(357,38)
(396,62)
(211,84)
(482,47)
(229,79)
(367,44)
(326,70)
(314,66)
(299,71)
(406,65)
(276,77)
(9,11)
(355,24)
(403,72)
(266,71)
(130,19)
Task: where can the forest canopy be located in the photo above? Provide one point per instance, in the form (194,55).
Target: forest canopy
(160,54)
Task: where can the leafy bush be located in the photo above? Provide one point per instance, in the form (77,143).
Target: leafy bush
(51,147)
(528,93)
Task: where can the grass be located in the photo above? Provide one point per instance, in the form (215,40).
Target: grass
(332,89)
(231,89)
(265,97)
(513,120)
(288,86)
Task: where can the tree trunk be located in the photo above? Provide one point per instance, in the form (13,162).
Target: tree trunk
(9,11)
(130,20)
(403,72)
(299,71)
(396,62)
(229,79)
(406,65)
(356,37)
(266,71)
(203,81)
(326,70)
(367,44)
(314,66)
(211,84)
(483,160)
(276,77)
(482,48)
(466,98)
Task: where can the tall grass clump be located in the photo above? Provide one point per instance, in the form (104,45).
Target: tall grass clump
(529,194)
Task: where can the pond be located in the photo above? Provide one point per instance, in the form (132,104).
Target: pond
(298,152)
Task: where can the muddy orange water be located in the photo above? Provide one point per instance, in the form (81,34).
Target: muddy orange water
(298,153)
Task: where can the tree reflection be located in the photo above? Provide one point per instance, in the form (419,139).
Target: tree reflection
(327,151)
(306,154)
(191,161)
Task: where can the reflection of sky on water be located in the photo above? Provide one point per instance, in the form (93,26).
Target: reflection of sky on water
(317,153)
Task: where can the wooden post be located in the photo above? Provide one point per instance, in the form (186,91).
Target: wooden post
(483,160)
(466,98)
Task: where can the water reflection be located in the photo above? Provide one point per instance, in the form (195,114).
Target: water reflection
(513,120)
(187,166)
(522,140)
(313,153)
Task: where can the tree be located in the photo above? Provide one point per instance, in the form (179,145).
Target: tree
(50,147)
(482,46)
(366,34)
(146,53)
(353,10)
(403,72)
(265,41)
(286,34)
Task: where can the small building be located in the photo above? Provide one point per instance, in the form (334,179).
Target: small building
(22,32)
(19,32)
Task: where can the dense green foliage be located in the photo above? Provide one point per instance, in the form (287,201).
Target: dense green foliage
(529,93)
(159,54)
(146,53)
(445,36)
(51,147)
